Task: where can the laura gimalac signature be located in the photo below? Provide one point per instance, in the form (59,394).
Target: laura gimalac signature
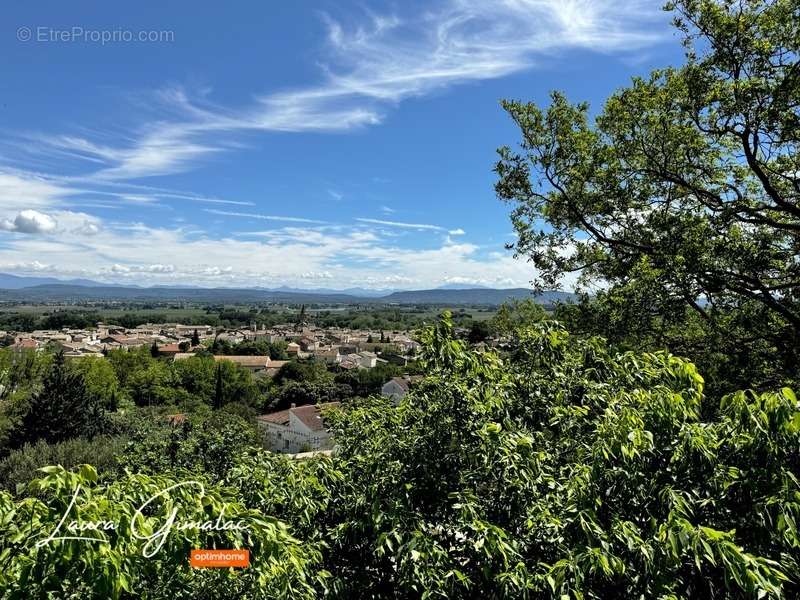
(154,541)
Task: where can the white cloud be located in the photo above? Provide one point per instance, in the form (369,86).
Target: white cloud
(20,190)
(458,231)
(88,228)
(341,256)
(30,221)
(214,211)
(420,226)
(317,275)
(124,269)
(371,65)
(335,195)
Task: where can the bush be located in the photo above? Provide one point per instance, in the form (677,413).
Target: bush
(20,465)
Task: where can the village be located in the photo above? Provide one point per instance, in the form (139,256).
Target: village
(296,430)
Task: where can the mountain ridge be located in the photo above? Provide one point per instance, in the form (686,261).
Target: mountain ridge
(67,291)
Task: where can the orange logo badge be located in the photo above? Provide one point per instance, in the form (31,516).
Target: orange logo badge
(204,559)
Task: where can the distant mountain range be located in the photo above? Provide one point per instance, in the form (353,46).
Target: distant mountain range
(16,282)
(48,289)
(474,296)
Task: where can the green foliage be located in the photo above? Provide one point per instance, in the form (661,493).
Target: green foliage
(479,331)
(148,381)
(682,194)
(63,408)
(368,382)
(281,567)
(201,444)
(313,371)
(562,469)
(513,315)
(99,379)
(275,350)
(21,464)
(568,471)
(308,392)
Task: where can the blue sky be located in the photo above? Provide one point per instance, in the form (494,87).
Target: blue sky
(313,144)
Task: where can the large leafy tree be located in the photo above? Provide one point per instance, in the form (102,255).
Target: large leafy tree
(565,471)
(683,193)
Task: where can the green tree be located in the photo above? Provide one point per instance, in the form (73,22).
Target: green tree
(518,313)
(686,184)
(154,352)
(219,399)
(63,408)
(100,380)
(303,370)
(195,338)
(479,331)
(281,566)
(565,470)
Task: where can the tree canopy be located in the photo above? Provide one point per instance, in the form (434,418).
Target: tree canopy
(683,191)
(564,469)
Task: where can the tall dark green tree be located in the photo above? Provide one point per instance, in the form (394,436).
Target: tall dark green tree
(63,408)
(195,338)
(218,389)
(683,194)
(154,350)
(301,316)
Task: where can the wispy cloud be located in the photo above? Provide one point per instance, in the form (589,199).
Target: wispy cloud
(373,63)
(420,226)
(226,213)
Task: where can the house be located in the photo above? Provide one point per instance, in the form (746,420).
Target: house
(169,350)
(254,364)
(329,355)
(25,344)
(274,366)
(298,429)
(397,387)
(308,344)
(293,348)
(368,359)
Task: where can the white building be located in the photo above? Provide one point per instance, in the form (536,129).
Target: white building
(329,355)
(298,429)
(368,359)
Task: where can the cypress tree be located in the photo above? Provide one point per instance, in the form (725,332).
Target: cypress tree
(218,391)
(63,408)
